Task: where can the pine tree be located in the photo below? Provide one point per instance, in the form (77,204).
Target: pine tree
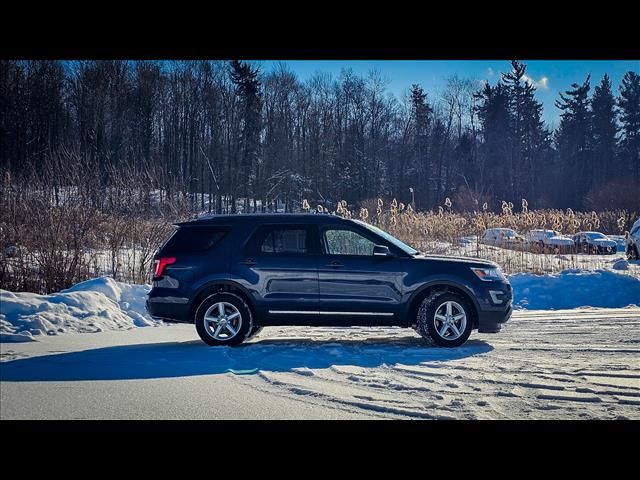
(527,135)
(493,113)
(421,112)
(573,140)
(629,107)
(604,132)
(248,90)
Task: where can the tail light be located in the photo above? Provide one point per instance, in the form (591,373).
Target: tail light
(160,264)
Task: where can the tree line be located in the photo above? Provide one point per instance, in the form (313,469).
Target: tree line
(226,136)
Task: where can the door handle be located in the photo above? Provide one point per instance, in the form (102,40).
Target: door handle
(335,264)
(249,262)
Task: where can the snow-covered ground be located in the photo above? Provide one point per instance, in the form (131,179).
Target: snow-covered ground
(572,364)
(550,363)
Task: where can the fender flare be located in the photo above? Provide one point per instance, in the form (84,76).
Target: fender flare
(441,283)
(221,282)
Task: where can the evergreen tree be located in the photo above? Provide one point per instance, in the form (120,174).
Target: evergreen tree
(248,90)
(604,132)
(527,135)
(421,112)
(629,107)
(573,140)
(493,113)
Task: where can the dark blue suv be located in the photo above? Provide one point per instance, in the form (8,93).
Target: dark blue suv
(231,275)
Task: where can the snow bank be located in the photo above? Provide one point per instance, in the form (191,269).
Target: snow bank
(574,288)
(92,306)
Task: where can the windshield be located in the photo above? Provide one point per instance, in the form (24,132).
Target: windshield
(595,235)
(389,238)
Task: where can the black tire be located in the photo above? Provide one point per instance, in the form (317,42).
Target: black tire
(632,253)
(244,326)
(426,323)
(254,331)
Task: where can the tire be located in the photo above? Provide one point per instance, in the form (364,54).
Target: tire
(232,304)
(632,253)
(429,327)
(254,331)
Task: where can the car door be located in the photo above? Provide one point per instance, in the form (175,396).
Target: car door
(357,287)
(282,260)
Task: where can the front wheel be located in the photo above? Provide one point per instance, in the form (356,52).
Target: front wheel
(223,319)
(444,319)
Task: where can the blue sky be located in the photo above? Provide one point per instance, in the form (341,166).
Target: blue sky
(550,76)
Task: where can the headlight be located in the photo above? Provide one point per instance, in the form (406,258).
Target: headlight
(489,274)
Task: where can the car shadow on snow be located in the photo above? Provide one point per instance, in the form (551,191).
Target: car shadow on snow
(180,359)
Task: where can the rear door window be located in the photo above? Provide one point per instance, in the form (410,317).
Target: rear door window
(282,240)
(285,241)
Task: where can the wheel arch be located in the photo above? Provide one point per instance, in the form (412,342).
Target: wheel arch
(220,286)
(445,286)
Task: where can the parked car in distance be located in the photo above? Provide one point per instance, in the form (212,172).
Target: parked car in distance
(632,239)
(621,242)
(231,275)
(502,237)
(549,240)
(594,243)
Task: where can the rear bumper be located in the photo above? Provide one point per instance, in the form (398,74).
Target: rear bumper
(168,309)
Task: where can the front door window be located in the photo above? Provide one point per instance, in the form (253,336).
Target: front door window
(347,242)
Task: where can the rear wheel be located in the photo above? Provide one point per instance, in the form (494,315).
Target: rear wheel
(223,319)
(445,319)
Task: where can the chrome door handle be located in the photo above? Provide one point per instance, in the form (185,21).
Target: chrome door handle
(335,264)
(249,262)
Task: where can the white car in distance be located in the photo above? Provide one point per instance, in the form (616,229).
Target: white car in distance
(549,240)
(502,237)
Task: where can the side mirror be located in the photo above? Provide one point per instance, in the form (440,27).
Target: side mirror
(381,251)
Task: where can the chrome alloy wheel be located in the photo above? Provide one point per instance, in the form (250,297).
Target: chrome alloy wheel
(450,320)
(222,321)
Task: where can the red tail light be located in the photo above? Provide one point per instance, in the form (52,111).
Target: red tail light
(160,264)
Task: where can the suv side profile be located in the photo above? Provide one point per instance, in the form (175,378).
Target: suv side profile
(231,275)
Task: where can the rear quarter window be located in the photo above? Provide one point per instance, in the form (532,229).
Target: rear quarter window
(193,240)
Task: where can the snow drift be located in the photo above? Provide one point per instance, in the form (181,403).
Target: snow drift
(573,289)
(92,306)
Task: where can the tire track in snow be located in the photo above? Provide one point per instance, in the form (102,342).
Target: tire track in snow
(542,365)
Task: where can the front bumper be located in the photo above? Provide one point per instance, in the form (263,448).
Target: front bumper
(607,250)
(493,314)
(492,321)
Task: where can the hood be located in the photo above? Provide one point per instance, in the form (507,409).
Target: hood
(477,262)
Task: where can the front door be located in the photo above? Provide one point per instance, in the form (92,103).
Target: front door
(355,286)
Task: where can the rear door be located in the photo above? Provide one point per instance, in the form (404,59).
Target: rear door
(281,262)
(357,287)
